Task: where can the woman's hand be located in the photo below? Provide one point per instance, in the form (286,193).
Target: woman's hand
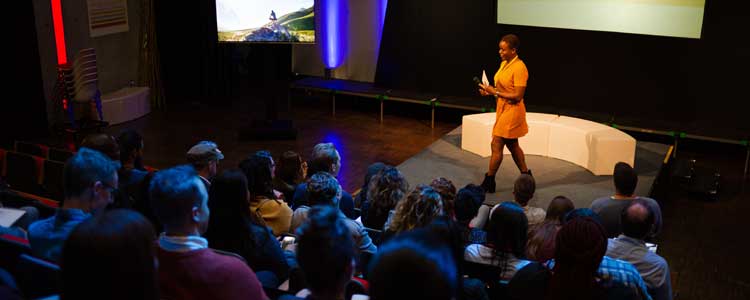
(486,90)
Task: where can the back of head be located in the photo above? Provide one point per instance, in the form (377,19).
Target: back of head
(419,209)
(289,167)
(447,192)
(323,189)
(406,268)
(625,179)
(372,170)
(174,193)
(325,250)
(203,153)
(386,189)
(558,207)
(524,188)
(580,246)
(229,208)
(84,169)
(581,213)
(468,201)
(257,169)
(507,229)
(324,158)
(103,143)
(637,219)
(110,256)
(130,142)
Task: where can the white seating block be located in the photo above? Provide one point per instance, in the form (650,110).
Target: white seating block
(591,145)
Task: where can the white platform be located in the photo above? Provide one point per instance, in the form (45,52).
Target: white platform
(126,104)
(591,145)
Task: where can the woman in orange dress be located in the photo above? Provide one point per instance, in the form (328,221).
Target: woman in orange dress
(510,123)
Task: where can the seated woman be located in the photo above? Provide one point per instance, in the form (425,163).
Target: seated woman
(386,189)
(541,245)
(418,209)
(263,203)
(505,247)
(290,171)
(233,228)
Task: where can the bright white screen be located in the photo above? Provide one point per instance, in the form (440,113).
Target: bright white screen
(265,20)
(676,18)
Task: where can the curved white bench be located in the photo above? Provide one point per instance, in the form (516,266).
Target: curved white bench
(125,104)
(593,146)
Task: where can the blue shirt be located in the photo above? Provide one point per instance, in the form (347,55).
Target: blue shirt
(617,272)
(47,236)
(653,268)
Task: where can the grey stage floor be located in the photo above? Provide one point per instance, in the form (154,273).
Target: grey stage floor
(553,176)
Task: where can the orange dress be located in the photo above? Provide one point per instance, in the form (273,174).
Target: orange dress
(510,120)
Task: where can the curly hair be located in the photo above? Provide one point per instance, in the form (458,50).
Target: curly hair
(386,189)
(418,209)
(447,192)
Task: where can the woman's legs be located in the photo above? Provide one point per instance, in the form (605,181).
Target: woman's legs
(518,156)
(497,155)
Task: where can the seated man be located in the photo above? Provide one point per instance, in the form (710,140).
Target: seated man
(326,253)
(205,157)
(325,158)
(609,208)
(324,189)
(90,180)
(637,220)
(188,269)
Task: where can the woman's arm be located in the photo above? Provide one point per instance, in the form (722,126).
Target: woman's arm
(513,97)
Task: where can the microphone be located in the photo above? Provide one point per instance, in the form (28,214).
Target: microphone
(477,81)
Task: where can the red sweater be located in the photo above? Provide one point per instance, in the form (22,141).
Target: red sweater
(204,274)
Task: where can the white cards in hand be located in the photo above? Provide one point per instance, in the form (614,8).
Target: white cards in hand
(484,78)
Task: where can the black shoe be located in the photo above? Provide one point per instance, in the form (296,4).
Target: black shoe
(488,184)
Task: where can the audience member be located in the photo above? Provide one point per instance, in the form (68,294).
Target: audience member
(523,190)
(581,271)
(506,243)
(188,269)
(269,210)
(110,256)
(417,210)
(372,170)
(205,157)
(386,189)
(132,171)
(90,179)
(408,268)
(326,253)
(468,201)
(290,172)
(324,190)
(637,221)
(233,228)
(541,246)
(104,143)
(610,208)
(447,192)
(325,158)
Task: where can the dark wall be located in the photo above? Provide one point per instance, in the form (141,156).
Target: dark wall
(693,85)
(23,114)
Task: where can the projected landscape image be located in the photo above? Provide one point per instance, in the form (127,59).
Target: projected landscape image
(676,18)
(265,20)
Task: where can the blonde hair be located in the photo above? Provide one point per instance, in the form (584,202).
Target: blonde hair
(418,209)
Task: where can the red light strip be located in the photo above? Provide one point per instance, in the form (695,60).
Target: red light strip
(57,20)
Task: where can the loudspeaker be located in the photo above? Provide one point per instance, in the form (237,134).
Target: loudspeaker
(701,181)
